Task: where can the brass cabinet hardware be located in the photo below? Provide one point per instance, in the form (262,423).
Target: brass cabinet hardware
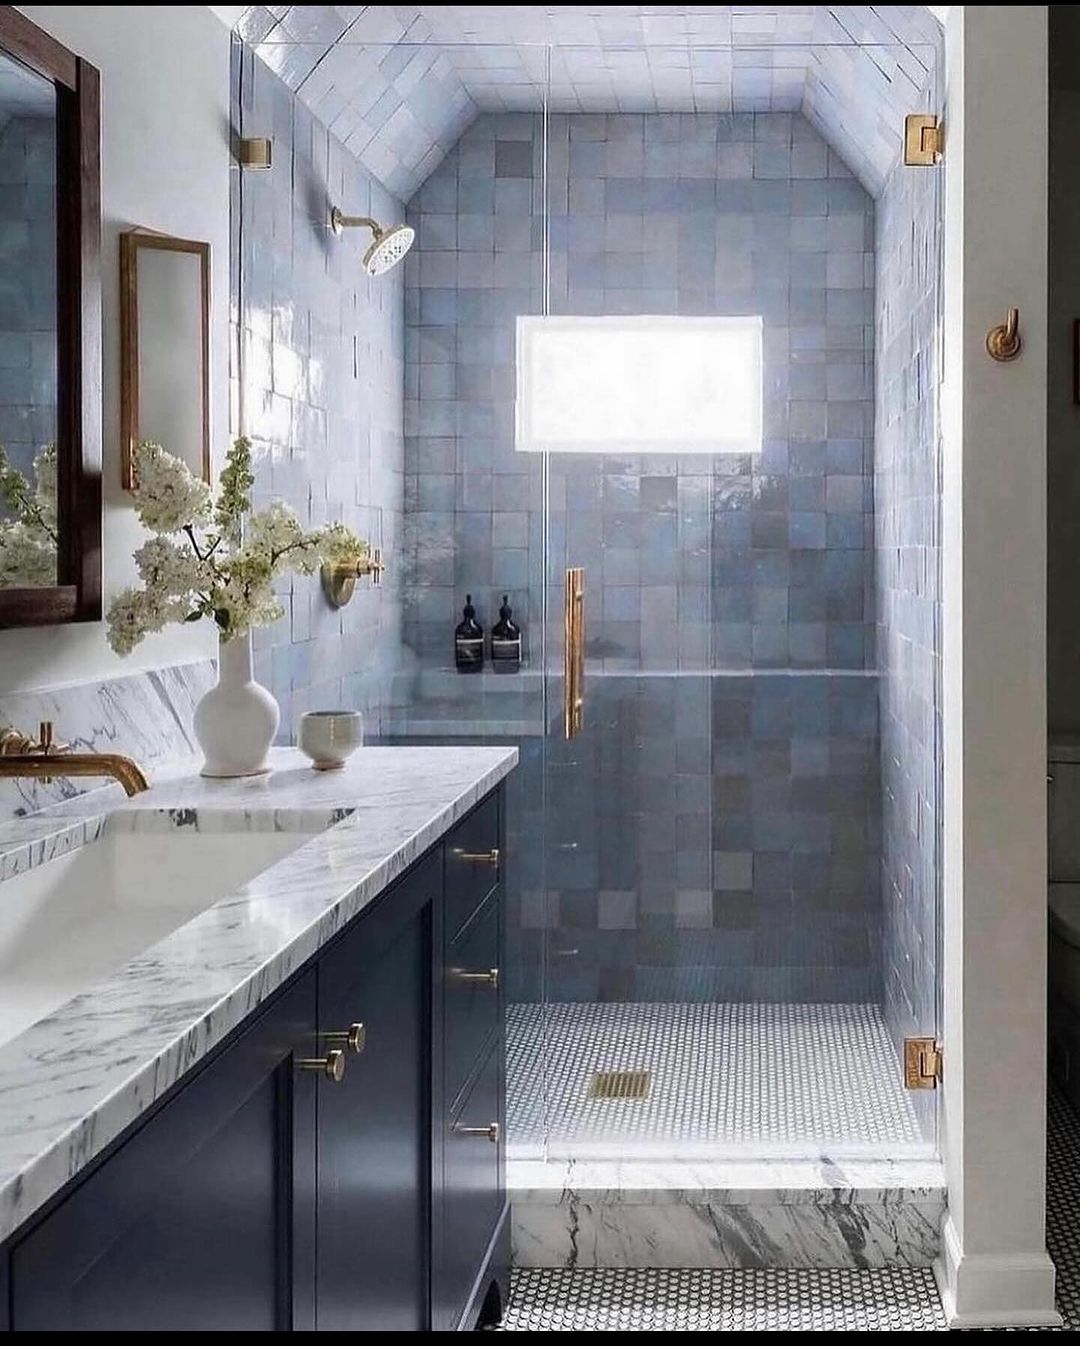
(332,1065)
(481,857)
(489,1132)
(924,141)
(353,1038)
(922,1063)
(1003,342)
(574,653)
(491,977)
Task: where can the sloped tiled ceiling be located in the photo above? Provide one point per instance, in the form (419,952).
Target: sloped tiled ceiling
(399,84)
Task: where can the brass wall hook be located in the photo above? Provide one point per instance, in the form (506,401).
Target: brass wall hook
(1003,342)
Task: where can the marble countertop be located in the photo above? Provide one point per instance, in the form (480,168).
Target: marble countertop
(72,1082)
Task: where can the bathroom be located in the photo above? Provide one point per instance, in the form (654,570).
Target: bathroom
(657,907)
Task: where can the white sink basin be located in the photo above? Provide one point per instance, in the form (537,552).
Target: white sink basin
(73,920)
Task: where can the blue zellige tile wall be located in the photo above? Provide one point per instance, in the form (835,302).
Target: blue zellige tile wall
(318,377)
(714,832)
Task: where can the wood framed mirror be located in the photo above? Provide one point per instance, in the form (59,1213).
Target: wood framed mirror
(164,348)
(50,330)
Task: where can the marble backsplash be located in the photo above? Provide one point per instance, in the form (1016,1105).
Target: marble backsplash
(146,715)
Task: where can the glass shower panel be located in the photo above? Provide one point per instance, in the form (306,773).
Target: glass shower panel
(741,922)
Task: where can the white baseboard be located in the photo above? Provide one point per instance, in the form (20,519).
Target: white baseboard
(994,1290)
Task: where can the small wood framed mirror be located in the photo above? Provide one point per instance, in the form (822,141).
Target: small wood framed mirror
(50,330)
(164,348)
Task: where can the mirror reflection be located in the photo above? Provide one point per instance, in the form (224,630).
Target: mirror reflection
(28,328)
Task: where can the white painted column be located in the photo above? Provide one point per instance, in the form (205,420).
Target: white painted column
(994,1269)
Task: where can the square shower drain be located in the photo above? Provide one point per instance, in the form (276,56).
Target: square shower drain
(620,1084)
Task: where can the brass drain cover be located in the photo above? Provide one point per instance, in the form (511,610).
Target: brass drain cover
(620,1084)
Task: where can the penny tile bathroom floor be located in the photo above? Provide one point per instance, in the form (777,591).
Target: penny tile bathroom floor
(782,1301)
(785,1080)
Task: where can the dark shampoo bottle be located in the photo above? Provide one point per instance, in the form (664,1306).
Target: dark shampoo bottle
(469,641)
(506,641)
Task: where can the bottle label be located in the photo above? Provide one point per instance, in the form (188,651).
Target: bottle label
(505,649)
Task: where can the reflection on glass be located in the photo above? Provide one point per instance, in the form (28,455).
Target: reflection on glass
(28,392)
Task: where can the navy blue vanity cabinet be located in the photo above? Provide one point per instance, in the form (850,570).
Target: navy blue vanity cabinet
(204,1219)
(373,1137)
(335,1165)
(471,1225)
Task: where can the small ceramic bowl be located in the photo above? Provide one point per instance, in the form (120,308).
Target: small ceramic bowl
(328,737)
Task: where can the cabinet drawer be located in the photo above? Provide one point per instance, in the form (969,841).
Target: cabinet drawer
(472,997)
(473,1194)
(473,864)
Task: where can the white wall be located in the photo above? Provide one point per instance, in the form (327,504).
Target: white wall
(165,165)
(995,1269)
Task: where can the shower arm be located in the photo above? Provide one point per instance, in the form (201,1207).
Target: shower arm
(339,222)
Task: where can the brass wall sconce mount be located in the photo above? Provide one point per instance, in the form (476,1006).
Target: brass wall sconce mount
(339,581)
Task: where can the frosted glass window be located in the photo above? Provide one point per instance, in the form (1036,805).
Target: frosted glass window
(638,385)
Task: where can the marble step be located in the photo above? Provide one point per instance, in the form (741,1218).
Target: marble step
(765,1213)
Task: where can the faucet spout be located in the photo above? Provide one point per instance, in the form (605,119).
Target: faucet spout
(21,757)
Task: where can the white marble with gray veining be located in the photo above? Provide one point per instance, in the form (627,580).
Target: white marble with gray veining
(71,1083)
(764,1213)
(146,714)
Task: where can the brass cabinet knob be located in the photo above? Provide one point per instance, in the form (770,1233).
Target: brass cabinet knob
(353,1038)
(490,977)
(481,857)
(332,1065)
(489,1132)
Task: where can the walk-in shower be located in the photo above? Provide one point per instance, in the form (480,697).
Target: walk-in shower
(723,889)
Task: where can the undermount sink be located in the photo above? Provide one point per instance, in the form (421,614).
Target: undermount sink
(73,920)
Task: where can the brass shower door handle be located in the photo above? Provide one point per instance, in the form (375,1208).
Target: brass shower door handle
(574,653)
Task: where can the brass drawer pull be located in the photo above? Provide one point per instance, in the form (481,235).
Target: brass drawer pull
(353,1038)
(491,977)
(332,1065)
(481,857)
(489,1132)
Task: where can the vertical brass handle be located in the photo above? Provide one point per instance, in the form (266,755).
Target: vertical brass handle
(574,653)
(332,1065)
(489,1132)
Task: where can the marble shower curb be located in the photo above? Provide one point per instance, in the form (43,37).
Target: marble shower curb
(866,1213)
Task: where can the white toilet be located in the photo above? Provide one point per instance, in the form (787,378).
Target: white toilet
(1063,784)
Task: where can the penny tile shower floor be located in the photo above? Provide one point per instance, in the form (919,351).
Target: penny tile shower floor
(903,1300)
(766,1080)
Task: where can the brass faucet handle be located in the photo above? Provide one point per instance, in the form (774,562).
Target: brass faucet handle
(14,743)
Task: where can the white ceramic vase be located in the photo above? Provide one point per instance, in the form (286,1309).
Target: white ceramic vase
(235,722)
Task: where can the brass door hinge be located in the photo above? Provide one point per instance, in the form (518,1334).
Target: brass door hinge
(924,141)
(922,1063)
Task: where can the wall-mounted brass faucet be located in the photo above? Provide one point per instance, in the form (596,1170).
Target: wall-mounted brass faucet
(339,581)
(43,759)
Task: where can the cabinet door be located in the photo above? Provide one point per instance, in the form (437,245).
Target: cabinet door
(204,1219)
(374,1128)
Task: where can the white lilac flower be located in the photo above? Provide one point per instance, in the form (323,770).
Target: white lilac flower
(170,569)
(168,495)
(27,556)
(214,571)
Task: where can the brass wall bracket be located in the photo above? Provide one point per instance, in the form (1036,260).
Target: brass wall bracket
(1003,342)
(339,582)
(922,1063)
(924,141)
(254,152)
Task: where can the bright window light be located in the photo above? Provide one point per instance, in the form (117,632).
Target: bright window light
(638,385)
